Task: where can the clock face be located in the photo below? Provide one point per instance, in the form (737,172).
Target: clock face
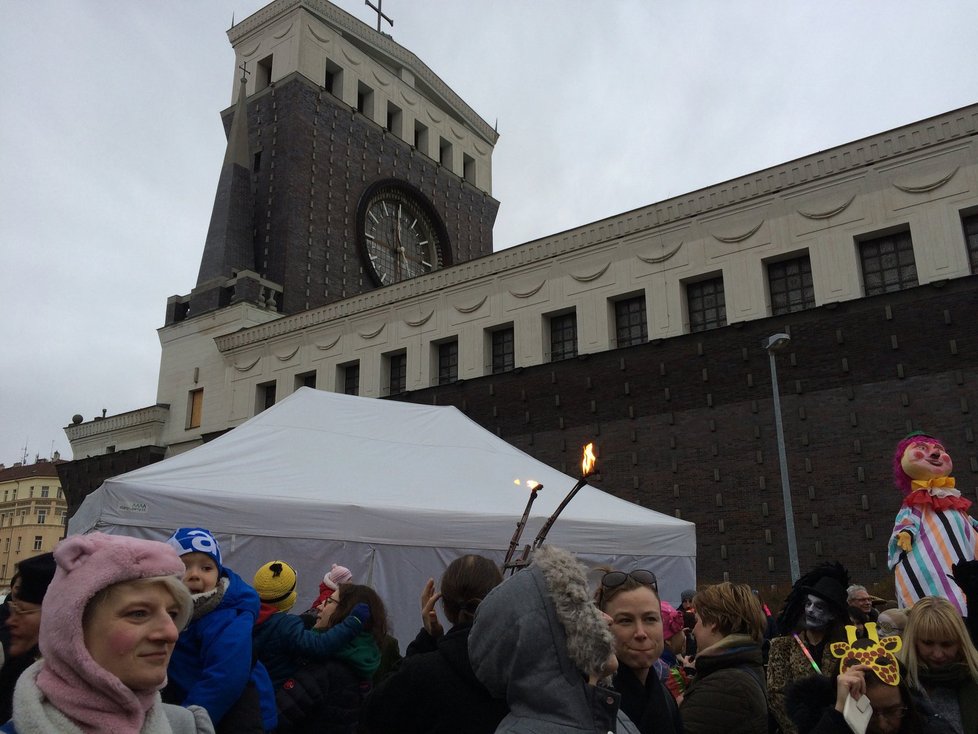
(399,239)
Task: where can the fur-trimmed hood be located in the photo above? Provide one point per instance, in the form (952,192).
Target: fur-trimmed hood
(536,639)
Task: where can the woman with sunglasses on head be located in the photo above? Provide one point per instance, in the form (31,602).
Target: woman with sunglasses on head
(631,601)
(941,663)
(729,632)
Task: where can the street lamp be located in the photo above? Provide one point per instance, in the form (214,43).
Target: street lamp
(776,343)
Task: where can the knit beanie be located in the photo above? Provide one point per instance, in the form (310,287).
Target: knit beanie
(35,576)
(197,540)
(275,584)
(95,699)
(672,621)
(337,575)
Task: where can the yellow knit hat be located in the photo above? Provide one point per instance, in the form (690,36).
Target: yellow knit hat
(275,584)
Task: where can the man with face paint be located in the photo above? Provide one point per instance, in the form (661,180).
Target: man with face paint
(814,616)
(933,529)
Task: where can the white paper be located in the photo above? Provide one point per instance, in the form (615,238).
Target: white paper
(857,713)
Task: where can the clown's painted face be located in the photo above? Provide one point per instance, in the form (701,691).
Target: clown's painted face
(818,615)
(926,459)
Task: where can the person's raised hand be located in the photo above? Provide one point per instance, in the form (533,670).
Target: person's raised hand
(851,683)
(429,615)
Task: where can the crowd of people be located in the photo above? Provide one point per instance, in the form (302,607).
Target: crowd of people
(117,634)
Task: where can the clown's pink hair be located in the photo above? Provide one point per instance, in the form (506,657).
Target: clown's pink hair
(900,477)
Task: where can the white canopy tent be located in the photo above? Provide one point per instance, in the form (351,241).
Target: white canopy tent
(394,491)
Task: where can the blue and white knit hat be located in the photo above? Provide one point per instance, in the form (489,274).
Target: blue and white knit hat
(196,540)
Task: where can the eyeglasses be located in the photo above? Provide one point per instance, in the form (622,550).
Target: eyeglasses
(614,579)
(16,610)
(891,712)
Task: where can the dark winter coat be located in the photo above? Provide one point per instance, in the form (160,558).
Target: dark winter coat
(319,697)
(729,678)
(434,692)
(281,640)
(328,695)
(651,707)
(810,702)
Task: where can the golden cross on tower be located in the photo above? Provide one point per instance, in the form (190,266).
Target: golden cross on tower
(378,8)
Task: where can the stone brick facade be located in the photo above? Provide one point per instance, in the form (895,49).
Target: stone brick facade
(315,157)
(685,426)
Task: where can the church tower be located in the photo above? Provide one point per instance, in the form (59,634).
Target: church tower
(357,167)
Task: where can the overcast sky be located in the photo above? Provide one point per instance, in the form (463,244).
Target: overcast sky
(111,141)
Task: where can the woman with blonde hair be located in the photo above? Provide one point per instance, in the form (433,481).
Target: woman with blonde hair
(941,662)
(729,632)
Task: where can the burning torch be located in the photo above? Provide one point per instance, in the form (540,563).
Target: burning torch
(588,460)
(509,564)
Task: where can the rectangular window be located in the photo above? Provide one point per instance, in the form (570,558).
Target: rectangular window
(397,363)
(264,396)
(38,540)
(6,546)
(351,379)
(563,336)
(468,168)
(705,301)
(45,491)
(445,153)
(394,118)
(306,379)
(365,100)
(448,362)
(195,407)
(42,516)
(790,283)
(503,350)
(421,137)
(19,539)
(333,79)
(630,322)
(970,224)
(888,263)
(263,73)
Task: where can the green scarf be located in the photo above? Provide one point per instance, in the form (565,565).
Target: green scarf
(363,654)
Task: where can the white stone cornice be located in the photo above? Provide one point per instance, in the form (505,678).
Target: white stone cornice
(937,133)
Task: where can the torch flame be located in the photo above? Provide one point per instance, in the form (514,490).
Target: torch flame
(532,484)
(587,460)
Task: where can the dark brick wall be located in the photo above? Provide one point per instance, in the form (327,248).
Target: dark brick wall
(686,425)
(317,158)
(81,477)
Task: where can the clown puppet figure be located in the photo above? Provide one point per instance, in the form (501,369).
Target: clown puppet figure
(933,529)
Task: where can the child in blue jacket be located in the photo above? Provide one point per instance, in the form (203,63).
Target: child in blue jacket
(281,640)
(212,664)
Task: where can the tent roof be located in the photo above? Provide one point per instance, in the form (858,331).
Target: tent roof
(322,464)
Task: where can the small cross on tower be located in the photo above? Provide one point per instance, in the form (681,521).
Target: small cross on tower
(244,71)
(378,8)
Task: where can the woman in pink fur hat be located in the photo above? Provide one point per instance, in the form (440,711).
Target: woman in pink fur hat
(110,619)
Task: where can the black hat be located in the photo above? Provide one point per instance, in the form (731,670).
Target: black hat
(829,590)
(35,575)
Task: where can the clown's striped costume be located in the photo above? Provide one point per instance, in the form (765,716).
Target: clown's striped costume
(942,533)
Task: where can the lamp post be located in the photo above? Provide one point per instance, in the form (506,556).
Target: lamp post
(775,343)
